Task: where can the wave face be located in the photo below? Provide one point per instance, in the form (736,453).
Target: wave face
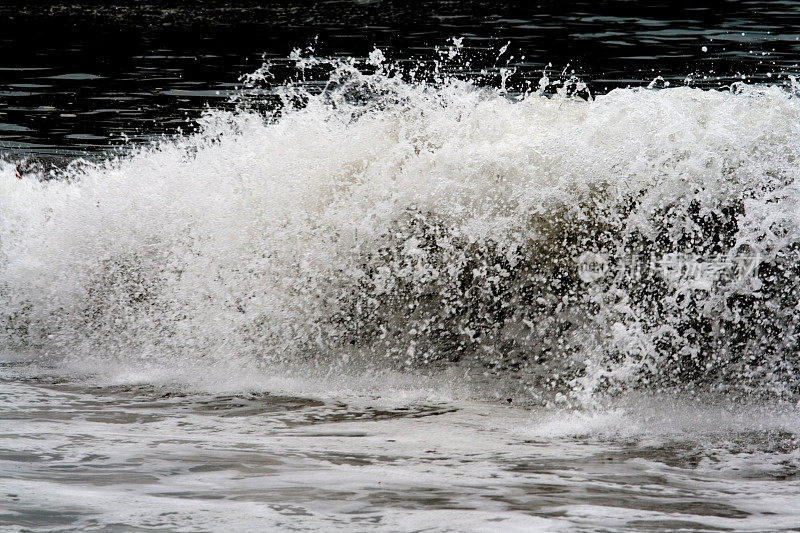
(570,247)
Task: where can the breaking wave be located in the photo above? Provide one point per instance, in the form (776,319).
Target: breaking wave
(562,245)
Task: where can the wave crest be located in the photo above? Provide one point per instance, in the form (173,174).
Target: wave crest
(429,224)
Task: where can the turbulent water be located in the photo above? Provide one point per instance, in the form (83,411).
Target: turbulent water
(415,251)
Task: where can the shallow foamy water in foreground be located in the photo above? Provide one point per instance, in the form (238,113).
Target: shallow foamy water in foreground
(131,456)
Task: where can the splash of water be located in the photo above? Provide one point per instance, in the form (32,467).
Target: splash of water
(392,221)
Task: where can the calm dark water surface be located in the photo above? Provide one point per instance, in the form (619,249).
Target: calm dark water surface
(76,76)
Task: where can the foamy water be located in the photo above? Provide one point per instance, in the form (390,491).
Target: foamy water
(317,317)
(78,456)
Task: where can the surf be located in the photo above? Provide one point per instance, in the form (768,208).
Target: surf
(552,244)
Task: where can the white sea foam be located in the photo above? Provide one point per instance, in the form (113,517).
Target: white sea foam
(132,457)
(394,224)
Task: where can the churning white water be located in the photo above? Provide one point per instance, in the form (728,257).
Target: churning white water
(437,247)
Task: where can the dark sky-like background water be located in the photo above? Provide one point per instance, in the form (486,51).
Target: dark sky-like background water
(75,76)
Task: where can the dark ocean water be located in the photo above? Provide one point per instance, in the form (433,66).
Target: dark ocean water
(76,76)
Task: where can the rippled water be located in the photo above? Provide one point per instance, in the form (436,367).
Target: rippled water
(444,285)
(77,76)
(138,456)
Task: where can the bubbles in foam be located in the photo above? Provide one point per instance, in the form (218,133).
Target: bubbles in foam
(422,225)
